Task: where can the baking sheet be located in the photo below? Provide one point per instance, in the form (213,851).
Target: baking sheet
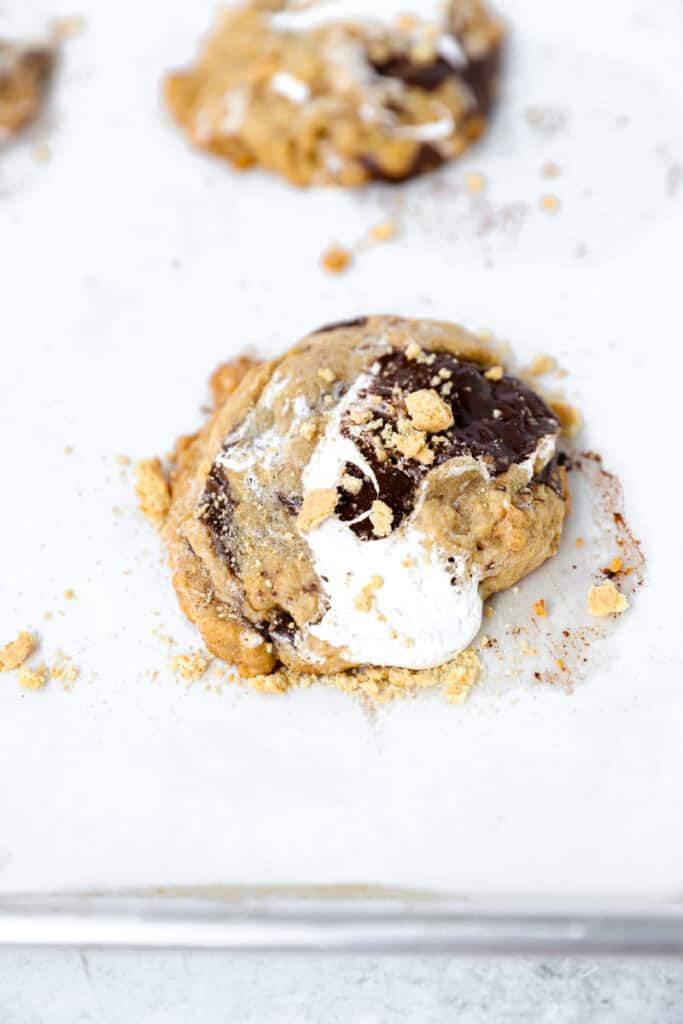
(130,266)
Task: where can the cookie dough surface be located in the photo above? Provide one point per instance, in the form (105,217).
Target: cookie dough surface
(341,102)
(353,502)
(25,74)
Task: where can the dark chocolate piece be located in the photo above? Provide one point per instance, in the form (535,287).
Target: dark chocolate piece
(216,511)
(421,76)
(499,422)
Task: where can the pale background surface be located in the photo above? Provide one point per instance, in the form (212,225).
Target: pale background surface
(178,988)
(129,267)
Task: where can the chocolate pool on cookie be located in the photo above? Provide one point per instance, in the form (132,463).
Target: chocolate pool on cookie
(321,100)
(354,502)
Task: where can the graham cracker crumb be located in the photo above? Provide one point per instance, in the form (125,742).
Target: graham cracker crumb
(540,608)
(475,182)
(309,429)
(227,376)
(33,678)
(540,365)
(568,415)
(326,374)
(550,169)
(70,594)
(123,460)
(605,599)
(154,494)
(365,600)
(62,669)
(409,441)
(494,373)
(579,542)
(14,654)
(336,259)
(383,232)
(359,416)
(351,484)
(381,517)
(549,203)
(69,26)
(316,508)
(616,565)
(489,611)
(68,449)
(428,411)
(413,350)
(380,685)
(190,667)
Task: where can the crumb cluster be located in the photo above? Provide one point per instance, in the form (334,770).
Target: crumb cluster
(380,685)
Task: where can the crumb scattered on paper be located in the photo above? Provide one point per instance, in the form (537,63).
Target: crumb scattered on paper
(190,667)
(33,678)
(154,495)
(16,652)
(380,685)
(605,599)
(336,259)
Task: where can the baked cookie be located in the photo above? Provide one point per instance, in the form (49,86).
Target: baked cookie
(341,102)
(353,502)
(25,73)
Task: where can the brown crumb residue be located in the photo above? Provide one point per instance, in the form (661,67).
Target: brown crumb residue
(317,506)
(380,685)
(549,203)
(383,232)
(190,667)
(153,491)
(605,599)
(69,26)
(550,169)
(382,518)
(16,652)
(335,260)
(33,678)
(428,411)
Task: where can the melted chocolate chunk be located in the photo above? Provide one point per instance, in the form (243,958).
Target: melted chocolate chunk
(499,422)
(282,627)
(216,513)
(479,74)
(360,321)
(550,475)
(421,76)
(427,158)
(482,76)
